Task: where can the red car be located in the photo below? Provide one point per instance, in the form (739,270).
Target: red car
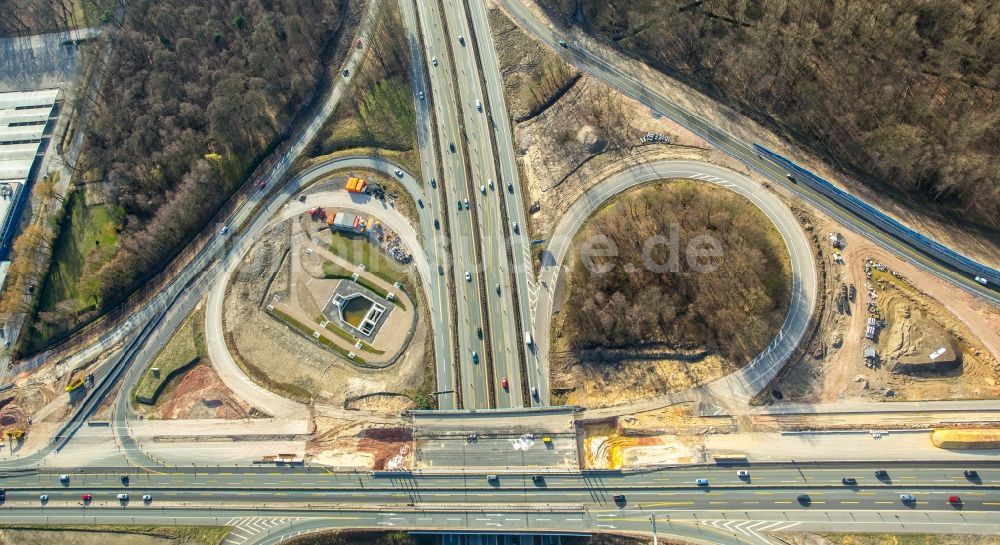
(503,382)
(954,499)
(358,43)
(86,497)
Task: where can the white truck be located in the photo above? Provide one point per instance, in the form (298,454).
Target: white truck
(527,338)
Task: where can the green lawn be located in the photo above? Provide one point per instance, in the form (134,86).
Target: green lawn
(308,332)
(382,118)
(86,241)
(186,346)
(182,535)
(357,249)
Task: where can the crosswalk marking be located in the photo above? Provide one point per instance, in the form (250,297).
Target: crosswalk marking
(754,529)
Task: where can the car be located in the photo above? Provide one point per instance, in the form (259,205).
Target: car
(510,186)
(434,61)
(538,478)
(420,203)
(881,474)
(123,497)
(498,289)
(516,228)
(461,39)
(489,182)
(64,479)
(225,230)
(399,172)
(479,332)
(479,105)
(503,383)
(971,474)
(43,498)
(791,178)
(492,478)
(262,185)
(982,280)
(564,44)
(3,495)
(701,482)
(451,145)
(86,497)
(743,474)
(804,499)
(434,183)
(147,498)
(437,224)
(466,201)
(619,499)
(907,498)
(482,189)
(468,276)
(125,480)
(346,73)
(534,392)
(849,481)
(954,500)
(420,95)
(440,270)
(459,206)
(475,357)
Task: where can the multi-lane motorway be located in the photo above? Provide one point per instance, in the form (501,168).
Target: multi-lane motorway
(804,494)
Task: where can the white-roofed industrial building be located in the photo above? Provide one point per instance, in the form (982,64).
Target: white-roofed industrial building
(24,116)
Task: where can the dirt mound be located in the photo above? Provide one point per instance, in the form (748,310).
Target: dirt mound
(966,439)
(200,393)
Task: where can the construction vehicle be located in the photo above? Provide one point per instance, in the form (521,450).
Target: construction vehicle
(356,185)
(78,379)
(13,434)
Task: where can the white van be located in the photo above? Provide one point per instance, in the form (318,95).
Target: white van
(527,338)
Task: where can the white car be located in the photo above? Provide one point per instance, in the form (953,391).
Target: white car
(399,172)
(434,61)
(420,95)
(982,280)
(123,497)
(482,189)
(466,202)
(147,498)
(468,276)
(743,474)
(479,105)
(43,498)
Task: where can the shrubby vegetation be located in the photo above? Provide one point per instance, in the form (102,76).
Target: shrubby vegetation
(902,92)
(26,17)
(194,95)
(735,309)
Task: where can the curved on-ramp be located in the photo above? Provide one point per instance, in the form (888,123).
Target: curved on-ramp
(742,385)
(282,207)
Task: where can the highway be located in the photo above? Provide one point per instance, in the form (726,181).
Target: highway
(617,75)
(516,502)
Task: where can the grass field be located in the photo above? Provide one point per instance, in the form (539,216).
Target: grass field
(357,249)
(103,534)
(307,331)
(87,239)
(186,346)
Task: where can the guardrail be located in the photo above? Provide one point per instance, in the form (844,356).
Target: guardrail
(867,212)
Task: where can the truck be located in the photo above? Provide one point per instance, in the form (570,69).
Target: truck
(78,379)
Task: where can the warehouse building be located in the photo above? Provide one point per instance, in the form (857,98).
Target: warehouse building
(24,116)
